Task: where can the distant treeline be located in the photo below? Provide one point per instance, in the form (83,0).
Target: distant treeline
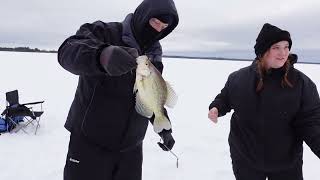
(202,57)
(26,49)
(170,55)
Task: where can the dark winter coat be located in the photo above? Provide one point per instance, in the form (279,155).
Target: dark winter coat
(103,106)
(268,128)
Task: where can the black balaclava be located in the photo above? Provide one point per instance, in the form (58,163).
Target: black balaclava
(164,10)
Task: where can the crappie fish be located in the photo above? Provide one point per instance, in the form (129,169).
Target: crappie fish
(153,93)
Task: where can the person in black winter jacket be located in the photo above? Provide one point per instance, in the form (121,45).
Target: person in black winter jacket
(106,131)
(276,108)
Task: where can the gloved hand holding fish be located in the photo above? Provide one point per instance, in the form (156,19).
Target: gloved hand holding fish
(153,93)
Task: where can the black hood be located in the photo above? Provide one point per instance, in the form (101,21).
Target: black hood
(161,9)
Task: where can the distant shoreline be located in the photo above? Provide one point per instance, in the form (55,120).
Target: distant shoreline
(36,50)
(26,49)
(205,57)
(166,56)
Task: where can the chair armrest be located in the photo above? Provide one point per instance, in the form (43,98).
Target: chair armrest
(31,103)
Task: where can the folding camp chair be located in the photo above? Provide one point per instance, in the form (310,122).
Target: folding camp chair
(15,112)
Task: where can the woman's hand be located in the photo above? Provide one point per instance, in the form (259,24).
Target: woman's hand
(213,114)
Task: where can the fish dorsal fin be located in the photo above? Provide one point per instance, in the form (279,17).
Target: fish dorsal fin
(141,108)
(172,97)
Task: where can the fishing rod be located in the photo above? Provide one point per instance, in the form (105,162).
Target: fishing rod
(177,158)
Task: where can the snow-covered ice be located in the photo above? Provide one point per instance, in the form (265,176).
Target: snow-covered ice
(202,146)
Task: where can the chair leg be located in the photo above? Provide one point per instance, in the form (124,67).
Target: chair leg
(21,128)
(38,125)
(17,126)
(28,121)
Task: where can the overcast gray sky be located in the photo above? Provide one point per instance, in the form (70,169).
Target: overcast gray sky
(205,25)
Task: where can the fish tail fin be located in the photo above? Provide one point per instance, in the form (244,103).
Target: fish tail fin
(160,123)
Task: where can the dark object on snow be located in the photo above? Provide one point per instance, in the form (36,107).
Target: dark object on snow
(15,112)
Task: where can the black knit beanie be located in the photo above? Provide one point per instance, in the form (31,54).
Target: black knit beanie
(268,36)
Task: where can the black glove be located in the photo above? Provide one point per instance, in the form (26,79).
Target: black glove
(168,140)
(118,60)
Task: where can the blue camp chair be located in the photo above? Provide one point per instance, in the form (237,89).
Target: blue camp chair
(16,112)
